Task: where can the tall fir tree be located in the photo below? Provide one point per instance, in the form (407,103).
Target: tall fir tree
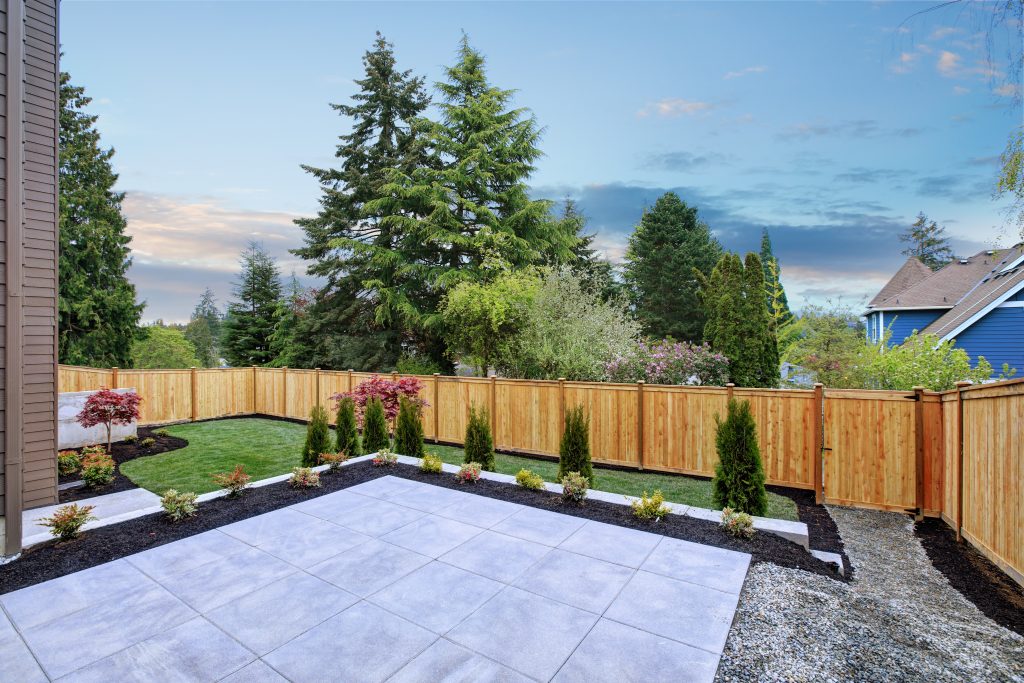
(204,330)
(254,314)
(596,273)
(285,342)
(97,312)
(344,238)
(207,309)
(778,303)
(668,245)
(927,240)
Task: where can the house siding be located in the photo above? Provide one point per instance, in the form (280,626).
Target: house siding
(902,323)
(999,337)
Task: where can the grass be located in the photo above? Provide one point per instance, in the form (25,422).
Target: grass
(267,448)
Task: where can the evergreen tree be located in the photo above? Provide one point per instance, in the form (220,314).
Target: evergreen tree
(343,239)
(668,245)
(596,273)
(97,313)
(778,303)
(208,311)
(739,475)
(479,444)
(763,339)
(318,437)
(285,342)
(409,429)
(375,427)
(253,317)
(574,449)
(345,428)
(927,240)
(197,332)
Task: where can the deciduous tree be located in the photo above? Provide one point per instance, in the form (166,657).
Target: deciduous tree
(163,347)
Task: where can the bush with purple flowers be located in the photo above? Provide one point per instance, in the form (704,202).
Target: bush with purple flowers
(670,362)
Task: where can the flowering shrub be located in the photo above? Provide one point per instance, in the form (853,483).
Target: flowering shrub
(670,362)
(67,520)
(333,460)
(68,462)
(234,481)
(108,408)
(431,464)
(738,524)
(468,473)
(97,469)
(650,508)
(179,506)
(388,391)
(529,480)
(304,478)
(574,488)
(384,458)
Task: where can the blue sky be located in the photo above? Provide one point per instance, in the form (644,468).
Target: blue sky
(832,124)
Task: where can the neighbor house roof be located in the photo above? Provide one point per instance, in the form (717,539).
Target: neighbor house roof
(946,286)
(910,273)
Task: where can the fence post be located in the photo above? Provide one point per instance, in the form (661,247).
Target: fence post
(350,371)
(195,406)
(640,423)
(318,400)
(819,443)
(561,406)
(960,386)
(255,408)
(394,376)
(113,377)
(437,407)
(494,410)
(284,391)
(919,452)
(729,386)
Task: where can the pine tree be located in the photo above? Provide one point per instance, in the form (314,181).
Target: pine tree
(253,317)
(207,310)
(597,274)
(375,427)
(668,245)
(479,444)
(286,341)
(739,475)
(927,241)
(574,449)
(778,303)
(345,428)
(97,312)
(318,437)
(344,238)
(409,429)
(197,332)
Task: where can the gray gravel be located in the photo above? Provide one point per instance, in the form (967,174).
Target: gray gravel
(899,620)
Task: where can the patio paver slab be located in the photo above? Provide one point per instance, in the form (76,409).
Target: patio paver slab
(216,583)
(576,580)
(181,556)
(539,526)
(703,564)
(369,567)
(479,510)
(446,662)
(431,535)
(611,543)
(379,517)
(496,556)
(256,672)
(17,660)
(333,506)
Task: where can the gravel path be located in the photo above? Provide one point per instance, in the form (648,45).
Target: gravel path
(899,620)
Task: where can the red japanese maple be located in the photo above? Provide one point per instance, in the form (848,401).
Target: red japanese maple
(390,392)
(108,408)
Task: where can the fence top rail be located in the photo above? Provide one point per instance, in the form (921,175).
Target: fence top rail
(869,394)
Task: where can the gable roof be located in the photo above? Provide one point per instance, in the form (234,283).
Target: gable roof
(947,286)
(910,273)
(997,285)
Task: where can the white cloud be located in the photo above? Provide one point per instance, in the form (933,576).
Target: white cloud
(948,64)
(1008,90)
(905,63)
(744,72)
(673,107)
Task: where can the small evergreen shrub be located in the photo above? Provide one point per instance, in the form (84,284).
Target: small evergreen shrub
(650,508)
(384,458)
(131,438)
(738,524)
(375,427)
(432,464)
(468,473)
(479,446)
(318,437)
(67,521)
(347,437)
(409,429)
(235,481)
(739,475)
(574,451)
(162,432)
(574,488)
(147,442)
(529,480)
(97,469)
(333,460)
(179,506)
(304,478)
(68,462)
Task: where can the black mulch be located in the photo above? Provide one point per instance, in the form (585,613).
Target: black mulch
(821,528)
(971,573)
(118,540)
(122,453)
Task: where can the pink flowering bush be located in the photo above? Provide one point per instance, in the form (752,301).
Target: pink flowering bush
(107,407)
(670,362)
(390,393)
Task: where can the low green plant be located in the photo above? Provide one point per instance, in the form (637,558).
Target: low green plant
(147,442)
(650,508)
(574,450)
(574,488)
(346,434)
(333,460)
(738,524)
(68,462)
(67,521)
(318,437)
(162,432)
(304,478)
(235,481)
(468,473)
(384,458)
(375,427)
(479,446)
(409,429)
(179,506)
(528,480)
(432,464)
(131,438)
(97,449)
(739,475)
(97,469)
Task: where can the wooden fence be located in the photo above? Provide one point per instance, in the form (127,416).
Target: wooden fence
(956,454)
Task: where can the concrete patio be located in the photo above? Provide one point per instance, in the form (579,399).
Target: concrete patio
(388,580)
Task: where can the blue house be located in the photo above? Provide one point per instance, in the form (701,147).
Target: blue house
(978,302)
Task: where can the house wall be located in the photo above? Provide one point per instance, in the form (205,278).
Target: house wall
(999,336)
(902,323)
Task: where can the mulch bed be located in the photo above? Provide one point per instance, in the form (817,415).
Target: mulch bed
(122,453)
(821,528)
(973,575)
(104,544)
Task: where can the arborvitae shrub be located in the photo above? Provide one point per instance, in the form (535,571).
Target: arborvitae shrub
(409,429)
(739,476)
(345,429)
(375,427)
(574,452)
(318,437)
(479,445)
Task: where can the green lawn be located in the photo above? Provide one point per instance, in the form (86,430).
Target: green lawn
(271,447)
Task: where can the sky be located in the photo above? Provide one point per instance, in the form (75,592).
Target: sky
(830,124)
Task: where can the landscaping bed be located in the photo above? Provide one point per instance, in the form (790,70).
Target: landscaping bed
(822,532)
